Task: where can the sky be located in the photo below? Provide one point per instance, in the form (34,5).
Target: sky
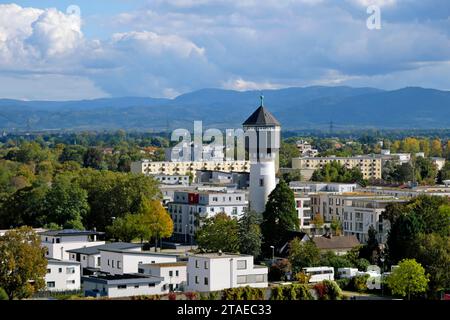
(68,50)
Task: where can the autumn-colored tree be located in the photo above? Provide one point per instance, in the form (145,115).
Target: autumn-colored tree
(436,148)
(155,219)
(22,263)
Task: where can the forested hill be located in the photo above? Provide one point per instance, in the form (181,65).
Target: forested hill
(296,108)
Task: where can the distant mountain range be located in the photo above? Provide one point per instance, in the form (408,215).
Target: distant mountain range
(296,108)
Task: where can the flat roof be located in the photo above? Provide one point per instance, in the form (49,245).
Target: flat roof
(66,262)
(164,265)
(69,232)
(112,246)
(217,255)
(122,279)
(149,253)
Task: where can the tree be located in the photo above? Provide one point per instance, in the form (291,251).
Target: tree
(280,215)
(292,175)
(336,227)
(219,233)
(93,158)
(23,265)
(408,279)
(303,254)
(155,220)
(250,236)
(371,250)
(126,229)
(287,152)
(66,203)
(426,171)
(335,172)
(436,148)
(434,254)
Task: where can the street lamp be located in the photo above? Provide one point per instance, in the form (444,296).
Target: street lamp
(382,276)
(273,254)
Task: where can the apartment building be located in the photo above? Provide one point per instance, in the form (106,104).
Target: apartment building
(303,206)
(189,207)
(217,271)
(189,168)
(362,213)
(58,242)
(370,166)
(310,186)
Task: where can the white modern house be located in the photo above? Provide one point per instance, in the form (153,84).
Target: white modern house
(62,275)
(89,257)
(119,262)
(303,206)
(173,273)
(217,271)
(121,286)
(58,242)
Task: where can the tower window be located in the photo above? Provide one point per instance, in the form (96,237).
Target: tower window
(261,182)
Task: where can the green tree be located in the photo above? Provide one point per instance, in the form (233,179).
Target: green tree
(280,215)
(219,233)
(250,236)
(303,254)
(287,152)
(126,229)
(335,172)
(371,250)
(23,264)
(94,158)
(66,203)
(408,279)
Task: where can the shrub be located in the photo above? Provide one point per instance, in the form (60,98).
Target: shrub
(172,296)
(359,283)
(191,295)
(3,295)
(302,277)
(277,293)
(344,283)
(302,292)
(328,290)
(214,295)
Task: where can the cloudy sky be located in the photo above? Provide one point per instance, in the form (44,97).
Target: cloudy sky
(61,50)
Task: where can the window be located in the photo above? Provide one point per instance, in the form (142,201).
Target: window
(140,270)
(197,264)
(118,265)
(112,263)
(70,270)
(261,182)
(151,285)
(242,264)
(84,257)
(98,261)
(51,284)
(136,286)
(206,265)
(196,280)
(170,273)
(70,282)
(49,270)
(59,270)
(241,279)
(122,286)
(177,273)
(206,281)
(108,262)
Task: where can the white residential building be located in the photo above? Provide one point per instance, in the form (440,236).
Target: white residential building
(216,271)
(122,286)
(173,273)
(172,179)
(308,186)
(58,242)
(188,207)
(362,213)
(89,257)
(62,275)
(303,206)
(119,262)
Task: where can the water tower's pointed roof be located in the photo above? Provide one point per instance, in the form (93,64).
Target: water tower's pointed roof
(261,117)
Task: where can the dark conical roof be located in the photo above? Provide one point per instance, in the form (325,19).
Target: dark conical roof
(261,117)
